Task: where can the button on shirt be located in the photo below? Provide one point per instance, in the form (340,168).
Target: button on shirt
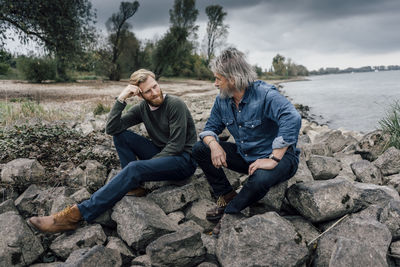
(265,120)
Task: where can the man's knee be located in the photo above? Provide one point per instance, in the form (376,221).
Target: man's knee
(262,180)
(200,150)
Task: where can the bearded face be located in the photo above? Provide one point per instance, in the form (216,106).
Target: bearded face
(226,88)
(151,92)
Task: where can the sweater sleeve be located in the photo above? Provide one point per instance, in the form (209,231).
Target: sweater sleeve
(117,123)
(177,119)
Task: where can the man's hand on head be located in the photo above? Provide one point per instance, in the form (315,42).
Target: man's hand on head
(129,91)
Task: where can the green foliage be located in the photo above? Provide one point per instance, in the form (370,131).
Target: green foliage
(63,27)
(119,34)
(37,69)
(183,15)
(278,62)
(4,68)
(217,31)
(101,109)
(390,124)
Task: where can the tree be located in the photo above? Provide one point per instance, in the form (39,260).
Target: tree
(216,29)
(278,62)
(173,51)
(118,27)
(63,27)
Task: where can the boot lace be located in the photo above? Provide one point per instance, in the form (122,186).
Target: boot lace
(221,202)
(64,212)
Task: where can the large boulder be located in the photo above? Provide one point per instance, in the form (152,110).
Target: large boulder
(90,174)
(393,180)
(323,200)
(84,237)
(261,240)
(324,168)
(390,216)
(94,257)
(174,198)
(22,172)
(306,229)
(18,245)
(8,205)
(37,200)
(117,244)
(336,140)
(366,172)
(346,161)
(197,213)
(372,145)
(366,231)
(272,201)
(369,194)
(182,248)
(303,174)
(395,252)
(347,252)
(389,161)
(140,221)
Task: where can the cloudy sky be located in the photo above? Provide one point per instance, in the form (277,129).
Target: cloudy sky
(315,33)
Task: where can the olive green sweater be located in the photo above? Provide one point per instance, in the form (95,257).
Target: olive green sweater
(170,127)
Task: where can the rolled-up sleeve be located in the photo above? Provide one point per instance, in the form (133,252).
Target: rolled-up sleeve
(214,125)
(287,118)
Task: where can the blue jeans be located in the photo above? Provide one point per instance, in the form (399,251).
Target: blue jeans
(131,146)
(257,184)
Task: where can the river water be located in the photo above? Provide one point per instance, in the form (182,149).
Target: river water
(355,101)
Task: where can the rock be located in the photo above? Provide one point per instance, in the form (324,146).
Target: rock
(140,221)
(261,240)
(80,195)
(323,200)
(197,213)
(207,264)
(303,174)
(368,194)
(143,260)
(22,172)
(182,248)
(390,216)
(304,228)
(272,201)
(395,252)
(346,161)
(151,186)
(174,198)
(117,244)
(7,191)
(368,232)
(393,180)
(7,206)
(38,200)
(233,178)
(348,252)
(177,217)
(84,237)
(319,149)
(112,174)
(94,257)
(210,243)
(324,168)
(372,145)
(105,219)
(18,245)
(90,174)
(336,140)
(191,225)
(366,172)
(52,264)
(389,161)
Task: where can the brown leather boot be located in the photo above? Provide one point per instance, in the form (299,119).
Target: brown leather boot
(137,192)
(62,221)
(215,214)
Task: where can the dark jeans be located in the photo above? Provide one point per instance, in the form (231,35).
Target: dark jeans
(257,184)
(129,147)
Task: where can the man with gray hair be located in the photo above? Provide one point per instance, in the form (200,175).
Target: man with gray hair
(265,126)
(167,156)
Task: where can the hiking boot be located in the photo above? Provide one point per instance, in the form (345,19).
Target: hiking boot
(215,214)
(137,192)
(62,221)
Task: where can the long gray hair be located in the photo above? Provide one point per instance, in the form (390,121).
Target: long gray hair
(233,66)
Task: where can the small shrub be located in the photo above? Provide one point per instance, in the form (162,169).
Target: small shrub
(37,69)
(4,68)
(101,109)
(391,124)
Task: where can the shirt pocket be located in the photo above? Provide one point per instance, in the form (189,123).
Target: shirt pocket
(252,124)
(227,122)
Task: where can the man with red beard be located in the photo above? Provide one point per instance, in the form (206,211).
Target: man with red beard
(167,156)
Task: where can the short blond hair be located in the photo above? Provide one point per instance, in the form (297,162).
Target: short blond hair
(140,76)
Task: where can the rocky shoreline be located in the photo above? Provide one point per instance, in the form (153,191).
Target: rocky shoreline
(342,208)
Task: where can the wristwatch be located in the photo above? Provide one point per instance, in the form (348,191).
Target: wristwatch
(274,158)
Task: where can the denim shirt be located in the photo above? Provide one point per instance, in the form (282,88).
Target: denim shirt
(265,120)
